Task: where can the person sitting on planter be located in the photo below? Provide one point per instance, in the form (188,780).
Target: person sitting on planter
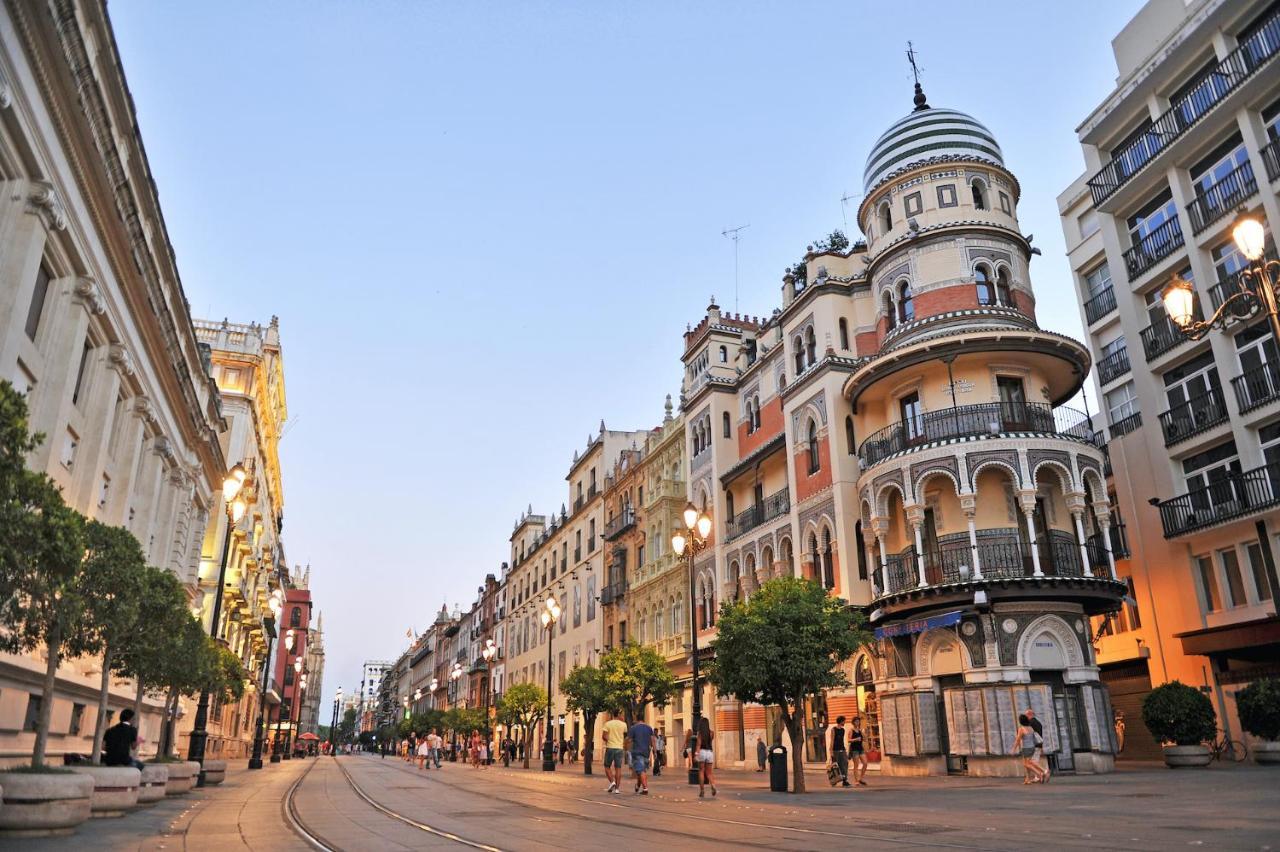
(119,741)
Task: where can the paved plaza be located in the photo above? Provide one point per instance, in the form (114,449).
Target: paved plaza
(366,802)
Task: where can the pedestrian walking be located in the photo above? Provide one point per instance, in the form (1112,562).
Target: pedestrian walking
(659,752)
(691,750)
(858,752)
(424,755)
(837,754)
(508,751)
(1119,732)
(435,744)
(1025,744)
(641,737)
(705,756)
(1041,760)
(614,736)
(762,753)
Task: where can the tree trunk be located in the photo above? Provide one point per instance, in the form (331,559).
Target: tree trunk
(166,722)
(795,728)
(588,752)
(46,701)
(528,745)
(137,702)
(104,695)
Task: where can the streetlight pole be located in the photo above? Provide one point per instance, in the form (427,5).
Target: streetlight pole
(297,688)
(269,626)
(489,652)
(694,542)
(333,728)
(301,692)
(236,507)
(549,617)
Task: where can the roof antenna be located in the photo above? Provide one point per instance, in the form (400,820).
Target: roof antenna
(920,101)
(732,233)
(844,208)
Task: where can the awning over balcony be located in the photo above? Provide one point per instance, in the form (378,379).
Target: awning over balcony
(1246,640)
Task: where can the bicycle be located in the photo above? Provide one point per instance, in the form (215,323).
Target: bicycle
(1222,747)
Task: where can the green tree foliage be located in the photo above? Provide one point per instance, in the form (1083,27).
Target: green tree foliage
(1179,714)
(347,727)
(832,242)
(586,692)
(1259,706)
(523,706)
(162,615)
(636,676)
(783,646)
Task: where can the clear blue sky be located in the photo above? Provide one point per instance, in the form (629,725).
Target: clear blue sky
(484,226)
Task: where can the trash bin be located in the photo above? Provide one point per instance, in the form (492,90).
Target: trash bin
(778,769)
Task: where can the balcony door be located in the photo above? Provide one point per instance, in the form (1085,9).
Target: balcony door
(932,555)
(1213,479)
(1013,404)
(1193,391)
(1044,543)
(912,418)
(1259,359)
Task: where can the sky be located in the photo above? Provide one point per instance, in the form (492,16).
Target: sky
(484,226)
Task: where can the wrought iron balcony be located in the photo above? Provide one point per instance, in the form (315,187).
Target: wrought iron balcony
(613,593)
(776,504)
(1002,555)
(984,419)
(1153,248)
(1125,425)
(1114,365)
(1257,386)
(1271,156)
(1193,416)
(1162,336)
(1119,542)
(1239,65)
(1100,305)
(620,523)
(1221,198)
(1235,496)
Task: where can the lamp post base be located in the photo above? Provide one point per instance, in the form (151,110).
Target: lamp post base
(275,758)
(548,758)
(693,776)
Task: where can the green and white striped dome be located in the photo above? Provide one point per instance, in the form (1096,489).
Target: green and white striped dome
(925,133)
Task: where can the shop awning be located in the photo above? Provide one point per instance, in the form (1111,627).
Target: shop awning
(918,625)
(1231,637)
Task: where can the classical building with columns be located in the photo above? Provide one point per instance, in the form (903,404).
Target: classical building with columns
(897,431)
(94,329)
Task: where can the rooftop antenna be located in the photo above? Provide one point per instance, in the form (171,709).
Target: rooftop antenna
(920,101)
(732,233)
(844,208)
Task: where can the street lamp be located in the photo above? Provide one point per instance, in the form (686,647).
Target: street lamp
(301,696)
(549,617)
(333,728)
(1256,288)
(269,626)
(297,686)
(693,542)
(276,752)
(235,505)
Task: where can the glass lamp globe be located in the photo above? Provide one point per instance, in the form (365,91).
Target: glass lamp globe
(1179,301)
(1250,237)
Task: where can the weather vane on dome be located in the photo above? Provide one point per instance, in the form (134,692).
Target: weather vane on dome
(920,101)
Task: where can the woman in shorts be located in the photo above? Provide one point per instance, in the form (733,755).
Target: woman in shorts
(1025,744)
(857,752)
(705,756)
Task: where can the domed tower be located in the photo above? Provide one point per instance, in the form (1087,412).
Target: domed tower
(984,492)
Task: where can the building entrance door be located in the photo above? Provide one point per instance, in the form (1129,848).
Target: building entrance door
(957,764)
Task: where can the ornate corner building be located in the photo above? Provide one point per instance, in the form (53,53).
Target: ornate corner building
(898,431)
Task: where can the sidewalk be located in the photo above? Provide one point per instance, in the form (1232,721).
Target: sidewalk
(243,812)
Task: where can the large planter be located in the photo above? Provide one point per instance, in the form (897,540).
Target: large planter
(182,777)
(1266,752)
(43,803)
(154,778)
(1188,755)
(215,771)
(115,788)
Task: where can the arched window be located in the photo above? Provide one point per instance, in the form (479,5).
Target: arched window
(755,410)
(889,313)
(295,617)
(724,355)
(787,557)
(844,333)
(799,347)
(982,278)
(906,303)
(828,566)
(735,580)
(728,504)
(813,447)
(886,218)
(979,194)
(766,560)
(815,556)
(1002,288)
(848,434)
(727,427)
(811,346)
(751,421)
(744,582)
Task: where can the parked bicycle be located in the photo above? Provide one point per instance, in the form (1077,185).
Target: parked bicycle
(1223,747)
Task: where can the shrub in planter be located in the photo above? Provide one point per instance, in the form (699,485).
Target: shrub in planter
(1259,706)
(1182,715)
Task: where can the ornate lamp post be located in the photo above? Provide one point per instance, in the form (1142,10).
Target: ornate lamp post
(454,674)
(297,687)
(1257,288)
(269,625)
(696,540)
(333,728)
(549,617)
(301,694)
(236,506)
(490,651)
(275,739)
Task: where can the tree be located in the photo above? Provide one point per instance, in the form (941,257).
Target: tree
(347,727)
(523,706)
(162,615)
(113,578)
(182,667)
(781,647)
(586,692)
(637,676)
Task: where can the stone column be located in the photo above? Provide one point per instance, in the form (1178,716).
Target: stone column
(969,505)
(1102,514)
(1027,499)
(915,517)
(1076,506)
(880,527)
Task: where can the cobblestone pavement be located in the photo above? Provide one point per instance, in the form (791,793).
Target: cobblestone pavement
(366,802)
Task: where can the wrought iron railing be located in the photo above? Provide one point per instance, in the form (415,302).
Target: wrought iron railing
(1193,416)
(1001,557)
(1257,386)
(776,504)
(1119,541)
(620,523)
(1239,65)
(1233,496)
(1222,197)
(1163,335)
(989,418)
(1114,365)
(1271,156)
(1125,425)
(1100,305)
(1153,248)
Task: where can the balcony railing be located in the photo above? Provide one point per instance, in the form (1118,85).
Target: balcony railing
(620,523)
(1100,305)
(1221,198)
(1001,557)
(1162,336)
(1236,495)
(613,592)
(1119,542)
(776,504)
(990,418)
(1153,248)
(1125,425)
(1257,386)
(1193,416)
(1271,156)
(1114,365)
(1239,65)
(665,488)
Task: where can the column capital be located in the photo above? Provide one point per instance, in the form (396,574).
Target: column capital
(969,504)
(1027,499)
(915,514)
(880,526)
(1076,501)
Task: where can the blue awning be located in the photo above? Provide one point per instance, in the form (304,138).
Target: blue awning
(919,625)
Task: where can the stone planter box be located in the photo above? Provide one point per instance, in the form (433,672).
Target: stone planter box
(41,804)
(115,788)
(1189,755)
(182,777)
(154,778)
(215,771)
(1266,752)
